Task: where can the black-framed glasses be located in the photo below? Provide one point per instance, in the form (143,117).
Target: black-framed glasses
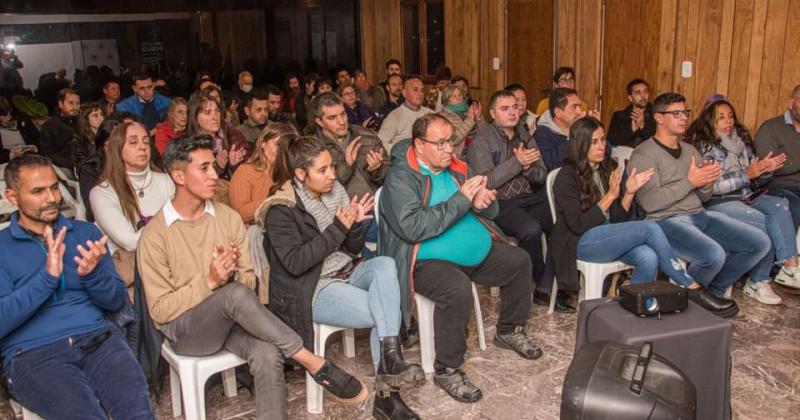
(439,144)
(677,113)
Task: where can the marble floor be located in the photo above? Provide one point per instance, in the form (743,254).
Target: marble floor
(765,378)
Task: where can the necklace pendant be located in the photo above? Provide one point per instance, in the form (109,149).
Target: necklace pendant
(141,193)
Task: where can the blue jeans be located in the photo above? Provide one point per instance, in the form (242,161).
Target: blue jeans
(641,244)
(771,215)
(793,195)
(65,379)
(719,249)
(369,299)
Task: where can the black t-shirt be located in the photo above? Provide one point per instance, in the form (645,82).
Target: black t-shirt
(676,153)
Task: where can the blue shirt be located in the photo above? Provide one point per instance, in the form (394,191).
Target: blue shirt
(467,242)
(36,308)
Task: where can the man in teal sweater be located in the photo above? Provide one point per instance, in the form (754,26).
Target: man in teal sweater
(435,221)
(61,356)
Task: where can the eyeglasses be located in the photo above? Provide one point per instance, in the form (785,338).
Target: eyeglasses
(677,113)
(566,79)
(439,144)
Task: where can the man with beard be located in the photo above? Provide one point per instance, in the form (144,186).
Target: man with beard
(257,110)
(274,101)
(782,135)
(359,157)
(62,358)
(635,123)
(111,94)
(58,131)
(149,106)
(394,87)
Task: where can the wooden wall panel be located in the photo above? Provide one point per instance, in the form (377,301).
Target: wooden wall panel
(462,30)
(755,62)
(740,53)
(775,43)
(578,34)
(381,37)
(530,46)
(790,76)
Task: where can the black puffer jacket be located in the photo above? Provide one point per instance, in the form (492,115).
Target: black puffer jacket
(296,249)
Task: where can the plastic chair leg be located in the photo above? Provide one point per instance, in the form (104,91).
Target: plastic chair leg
(478,318)
(426,338)
(175,391)
(553,294)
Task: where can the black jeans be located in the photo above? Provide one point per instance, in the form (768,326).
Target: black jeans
(448,286)
(526,217)
(232,318)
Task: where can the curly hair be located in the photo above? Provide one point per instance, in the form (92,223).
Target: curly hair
(702,133)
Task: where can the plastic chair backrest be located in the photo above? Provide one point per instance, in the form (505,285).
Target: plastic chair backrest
(551,179)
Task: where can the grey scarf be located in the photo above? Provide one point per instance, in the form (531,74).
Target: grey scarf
(736,158)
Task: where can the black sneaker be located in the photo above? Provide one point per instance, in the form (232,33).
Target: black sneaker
(344,386)
(518,341)
(455,383)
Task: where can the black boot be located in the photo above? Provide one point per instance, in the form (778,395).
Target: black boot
(389,406)
(393,371)
(409,336)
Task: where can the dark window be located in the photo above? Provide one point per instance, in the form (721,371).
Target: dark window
(423,36)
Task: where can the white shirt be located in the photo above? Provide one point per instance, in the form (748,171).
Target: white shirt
(157,189)
(171,215)
(397,125)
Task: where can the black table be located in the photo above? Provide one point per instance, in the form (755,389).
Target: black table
(696,341)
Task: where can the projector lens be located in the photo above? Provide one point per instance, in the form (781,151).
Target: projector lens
(651,304)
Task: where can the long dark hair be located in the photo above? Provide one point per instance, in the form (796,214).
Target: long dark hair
(294,153)
(114,172)
(84,129)
(580,139)
(702,134)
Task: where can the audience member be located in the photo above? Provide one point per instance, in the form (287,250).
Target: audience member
(252,180)
(357,112)
(343,77)
(393,67)
(512,164)
(17,133)
(174,126)
(230,147)
(397,125)
(257,111)
(58,131)
(90,117)
(563,78)
(594,207)
(394,96)
(718,249)
(195,264)
(635,123)
(146,104)
(310,89)
(129,192)
(111,94)
(241,92)
(781,135)
(463,84)
(368,94)
(552,135)
(323,85)
(314,234)
(435,221)
(434,99)
(464,118)
(274,100)
(57,281)
(293,105)
(359,159)
(719,136)
(527,119)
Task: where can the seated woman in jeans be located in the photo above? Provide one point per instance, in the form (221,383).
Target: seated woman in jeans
(593,212)
(314,233)
(719,136)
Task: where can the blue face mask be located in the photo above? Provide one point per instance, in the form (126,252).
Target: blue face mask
(459,107)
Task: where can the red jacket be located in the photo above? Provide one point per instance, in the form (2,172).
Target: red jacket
(164,135)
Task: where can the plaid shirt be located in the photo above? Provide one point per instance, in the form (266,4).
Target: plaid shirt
(734,179)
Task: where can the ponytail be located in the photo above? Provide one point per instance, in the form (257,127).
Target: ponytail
(294,152)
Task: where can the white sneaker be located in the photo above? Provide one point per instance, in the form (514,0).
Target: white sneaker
(762,292)
(789,277)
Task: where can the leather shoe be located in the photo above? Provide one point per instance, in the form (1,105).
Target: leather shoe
(518,341)
(710,302)
(455,383)
(562,301)
(389,406)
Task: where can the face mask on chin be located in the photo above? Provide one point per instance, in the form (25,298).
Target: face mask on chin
(247,88)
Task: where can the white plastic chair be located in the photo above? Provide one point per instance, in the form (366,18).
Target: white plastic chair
(593,274)
(622,154)
(188,376)
(425,309)
(26,414)
(314,391)
(76,208)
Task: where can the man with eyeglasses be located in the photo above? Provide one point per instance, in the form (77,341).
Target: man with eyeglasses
(553,132)
(435,221)
(511,161)
(563,78)
(718,249)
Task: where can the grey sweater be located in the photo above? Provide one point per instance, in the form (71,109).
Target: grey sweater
(778,137)
(492,154)
(669,191)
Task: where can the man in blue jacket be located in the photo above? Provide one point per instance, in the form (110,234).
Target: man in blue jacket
(61,356)
(150,107)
